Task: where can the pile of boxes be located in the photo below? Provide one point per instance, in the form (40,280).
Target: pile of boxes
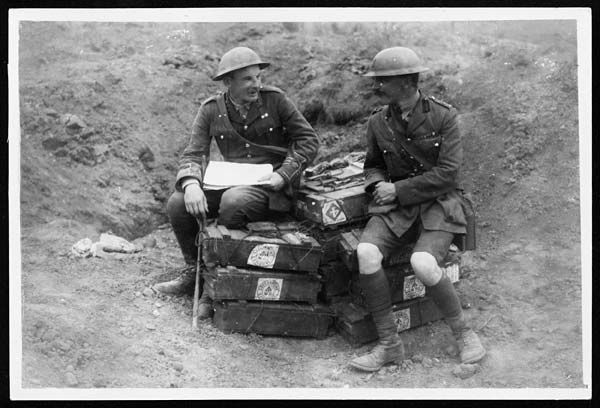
(265,280)
(300,278)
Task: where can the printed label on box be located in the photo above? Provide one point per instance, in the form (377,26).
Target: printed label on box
(402,319)
(268,289)
(332,213)
(413,288)
(263,255)
(453,272)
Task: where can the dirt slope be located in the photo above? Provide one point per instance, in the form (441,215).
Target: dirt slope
(134,89)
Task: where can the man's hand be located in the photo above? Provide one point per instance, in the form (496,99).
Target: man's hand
(385,193)
(195,200)
(276,182)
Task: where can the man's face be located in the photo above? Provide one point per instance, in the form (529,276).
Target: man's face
(392,89)
(243,84)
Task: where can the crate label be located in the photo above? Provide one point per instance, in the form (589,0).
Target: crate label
(413,288)
(453,272)
(263,255)
(268,289)
(332,213)
(402,319)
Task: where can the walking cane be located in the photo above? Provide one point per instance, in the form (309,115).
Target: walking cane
(201,223)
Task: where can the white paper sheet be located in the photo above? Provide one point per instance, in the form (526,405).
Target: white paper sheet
(222,174)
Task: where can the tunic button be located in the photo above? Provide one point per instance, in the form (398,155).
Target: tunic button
(249,156)
(270,129)
(266,114)
(385,152)
(247,145)
(245,127)
(411,157)
(436,144)
(420,164)
(222,137)
(408,139)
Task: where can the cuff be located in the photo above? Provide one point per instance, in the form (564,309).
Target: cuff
(188,181)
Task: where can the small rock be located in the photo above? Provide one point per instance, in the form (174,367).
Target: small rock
(417,358)
(464,371)
(148,292)
(63,345)
(178,366)
(71,379)
(156,313)
(70,368)
(87,133)
(138,293)
(158,304)
(161,352)
(427,362)
(54,142)
(451,350)
(149,242)
(72,121)
(466,305)
(150,326)
(51,112)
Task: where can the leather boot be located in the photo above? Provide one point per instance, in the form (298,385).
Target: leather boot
(205,305)
(386,351)
(378,299)
(181,285)
(470,347)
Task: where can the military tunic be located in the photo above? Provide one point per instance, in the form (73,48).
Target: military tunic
(272,120)
(434,193)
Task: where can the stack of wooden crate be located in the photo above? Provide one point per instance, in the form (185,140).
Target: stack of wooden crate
(335,210)
(264,279)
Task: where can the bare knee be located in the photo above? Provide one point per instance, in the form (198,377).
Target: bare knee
(369,258)
(426,268)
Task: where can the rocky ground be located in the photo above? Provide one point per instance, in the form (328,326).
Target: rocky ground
(106,108)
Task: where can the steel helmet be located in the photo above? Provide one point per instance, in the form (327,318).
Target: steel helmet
(236,58)
(395,61)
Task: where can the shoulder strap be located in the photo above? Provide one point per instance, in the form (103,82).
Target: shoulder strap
(223,113)
(409,148)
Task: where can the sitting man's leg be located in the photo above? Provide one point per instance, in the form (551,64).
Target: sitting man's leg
(185,228)
(376,238)
(243,204)
(428,252)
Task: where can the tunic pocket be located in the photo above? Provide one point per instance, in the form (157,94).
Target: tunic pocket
(452,206)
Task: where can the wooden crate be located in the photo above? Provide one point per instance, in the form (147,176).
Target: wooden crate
(356,325)
(330,209)
(236,283)
(273,318)
(288,250)
(336,280)
(403,284)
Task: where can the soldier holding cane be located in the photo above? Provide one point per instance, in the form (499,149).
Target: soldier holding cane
(251,123)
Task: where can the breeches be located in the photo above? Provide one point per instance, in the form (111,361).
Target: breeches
(436,243)
(233,207)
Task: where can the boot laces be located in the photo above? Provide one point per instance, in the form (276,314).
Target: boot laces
(469,339)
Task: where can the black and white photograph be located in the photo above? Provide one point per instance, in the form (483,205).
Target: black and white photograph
(332,203)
